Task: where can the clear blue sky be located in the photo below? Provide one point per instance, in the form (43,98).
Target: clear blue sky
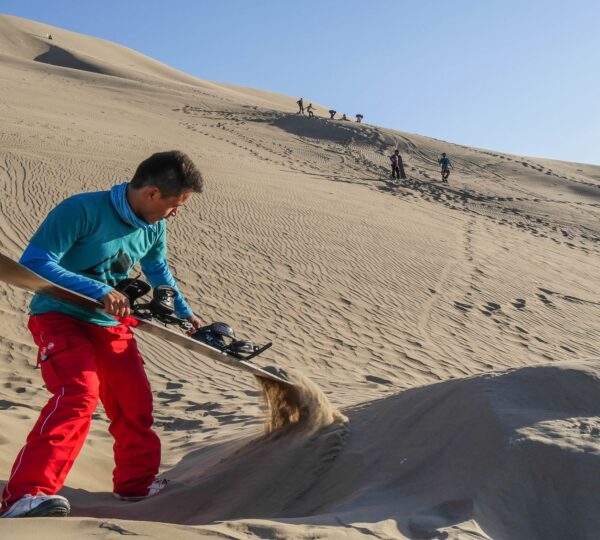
(520,76)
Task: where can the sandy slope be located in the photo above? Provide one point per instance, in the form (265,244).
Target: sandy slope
(455,325)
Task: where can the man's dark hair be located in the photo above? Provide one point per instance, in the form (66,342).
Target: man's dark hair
(171,172)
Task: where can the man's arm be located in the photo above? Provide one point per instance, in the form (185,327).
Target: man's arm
(45,264)
(55,236)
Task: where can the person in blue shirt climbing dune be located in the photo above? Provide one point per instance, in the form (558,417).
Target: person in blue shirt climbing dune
(88,243)
(446,166)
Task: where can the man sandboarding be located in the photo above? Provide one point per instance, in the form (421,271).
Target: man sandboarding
(87,244)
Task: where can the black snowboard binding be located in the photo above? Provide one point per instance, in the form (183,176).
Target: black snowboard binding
(160,308)
(132,289)
(218,335)
(222,337)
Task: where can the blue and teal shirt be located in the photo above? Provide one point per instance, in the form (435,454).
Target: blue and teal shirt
(89,243)
(444,162)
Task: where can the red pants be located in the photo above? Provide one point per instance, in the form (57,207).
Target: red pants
(81,362)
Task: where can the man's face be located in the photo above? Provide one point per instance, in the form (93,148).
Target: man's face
(157,207)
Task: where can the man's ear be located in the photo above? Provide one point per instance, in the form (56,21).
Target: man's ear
(153,193)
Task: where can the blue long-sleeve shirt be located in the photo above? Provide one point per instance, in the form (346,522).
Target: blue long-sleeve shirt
(89,243)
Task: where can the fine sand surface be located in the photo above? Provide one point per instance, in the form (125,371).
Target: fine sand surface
(444,338)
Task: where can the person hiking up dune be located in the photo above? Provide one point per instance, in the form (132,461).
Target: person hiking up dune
(397,165)
(300,103)
(88,243)
(309,110)
(446,166)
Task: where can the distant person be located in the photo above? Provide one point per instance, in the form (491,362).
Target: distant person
(332,113)
(309,110)
(397,165)
(446,166)
(300,103)
(49,36)
(344,117)
(359,118)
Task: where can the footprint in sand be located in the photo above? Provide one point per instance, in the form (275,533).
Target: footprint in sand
(463,307)
(490,308)
(182,424)
(545,300)
(208,406)
(5,404)
(169,397)
(519,303)
(377,380)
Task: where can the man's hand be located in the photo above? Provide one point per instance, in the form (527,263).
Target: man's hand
(195,322)
(116,303)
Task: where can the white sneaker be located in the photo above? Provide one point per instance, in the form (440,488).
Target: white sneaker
(153,489)
(39,506)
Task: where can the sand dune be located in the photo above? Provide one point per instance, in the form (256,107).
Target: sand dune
(444,337)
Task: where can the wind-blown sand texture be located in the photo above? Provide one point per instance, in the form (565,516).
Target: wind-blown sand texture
(454,326)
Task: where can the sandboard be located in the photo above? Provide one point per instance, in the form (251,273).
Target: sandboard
(401,167)
(15,274)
